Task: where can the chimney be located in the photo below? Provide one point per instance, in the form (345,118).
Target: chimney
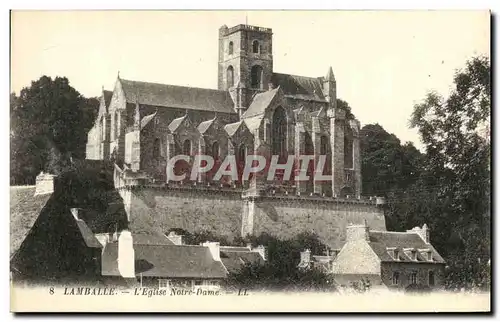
(305,256)
(423,232)
(126,255)
(44,183)
(214,248)
(357,232)
(174,238)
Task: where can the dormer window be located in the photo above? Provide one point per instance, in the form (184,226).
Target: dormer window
(255,47)
(230,48)
(393,252)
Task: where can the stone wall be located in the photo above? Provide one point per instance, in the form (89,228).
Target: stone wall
(405,269)
(328,218)
(160,209)
(226,213)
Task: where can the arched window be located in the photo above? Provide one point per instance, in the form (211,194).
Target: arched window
(324,149)
(256,76)
(279,133)
(230,49)
(186,147)
(230,76)
(242,154)
(157,148)
(215,151)
(348,152)
(117,125)
(255,47)
(431,278)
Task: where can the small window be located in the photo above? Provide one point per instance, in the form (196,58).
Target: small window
(429,256)
(431,278)
(230,76)
(255,46)
(414,255)
(230,49)
(413,278)
(242,153)
(395,278)
(396,254)
(186,147)
(198,283)
(163,283)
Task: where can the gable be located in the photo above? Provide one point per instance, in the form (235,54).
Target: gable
(356,257)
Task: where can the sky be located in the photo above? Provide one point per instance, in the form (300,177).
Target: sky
(384,61)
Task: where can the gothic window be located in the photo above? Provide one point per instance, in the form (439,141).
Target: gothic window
(348,152)
(230,48)
(186,147)
(117,125)
(279,132)
(255,47)
(256,76)
(431,278)
(395,278)
(103,129)
(242,153)
(324,149)
(157,148)
(230,76)
(215,150)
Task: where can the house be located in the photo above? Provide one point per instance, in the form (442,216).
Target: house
(396,260)
(322,262)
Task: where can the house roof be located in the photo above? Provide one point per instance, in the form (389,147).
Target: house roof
(169,261)
(193,98)
(234,249)
(151,239)
(259,103)
(300,87)
(235,260)
(380,241)
(24,210)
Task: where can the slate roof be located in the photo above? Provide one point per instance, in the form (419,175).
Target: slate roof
(300,87)
(168,261)
(150,239)
(24,210)
(193,98)
(259,103)
(381,240)
(235,260)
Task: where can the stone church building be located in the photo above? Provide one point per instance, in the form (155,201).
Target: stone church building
(254,110)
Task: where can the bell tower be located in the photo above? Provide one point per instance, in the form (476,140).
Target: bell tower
(245,57)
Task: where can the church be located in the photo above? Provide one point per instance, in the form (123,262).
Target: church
(254,111)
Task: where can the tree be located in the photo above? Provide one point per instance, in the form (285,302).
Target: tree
(280,271)
(389,169)
(49,124)
(456,177)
